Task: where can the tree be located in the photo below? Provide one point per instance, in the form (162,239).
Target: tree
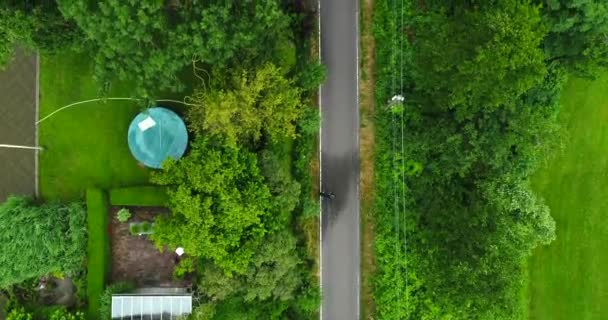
(40,239)
(219,202)
(150,42)
(284,189)
(478,58)
(578,34)
(36,25)
(274,273)
(260,102)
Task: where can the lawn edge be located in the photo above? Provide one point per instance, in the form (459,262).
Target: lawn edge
(97,224)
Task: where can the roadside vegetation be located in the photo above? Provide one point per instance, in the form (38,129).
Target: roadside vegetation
(367,114)
(240,202)
(455,211)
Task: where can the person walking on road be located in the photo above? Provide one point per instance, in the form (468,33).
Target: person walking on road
(327,195)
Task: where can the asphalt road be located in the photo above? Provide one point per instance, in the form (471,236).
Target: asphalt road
(340,161)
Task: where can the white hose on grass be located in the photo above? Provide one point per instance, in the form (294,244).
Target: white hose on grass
(101,99)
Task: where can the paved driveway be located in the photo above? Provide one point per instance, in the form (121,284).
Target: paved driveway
(340,161)
(17,116)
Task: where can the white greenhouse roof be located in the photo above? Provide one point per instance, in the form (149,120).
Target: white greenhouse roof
(153,307)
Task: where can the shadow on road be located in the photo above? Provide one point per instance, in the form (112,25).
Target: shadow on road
(339,177)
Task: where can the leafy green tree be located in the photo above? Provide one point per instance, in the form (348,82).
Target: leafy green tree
(274,273)
(150,42)
(311,76)
(40,239)
(578,34)
(219,202)
(36,25)
(284,189)
(260,102)
(476,58)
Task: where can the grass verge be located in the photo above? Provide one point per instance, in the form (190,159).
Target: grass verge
(98,248)
(568,278)
(154,196)
(366,150)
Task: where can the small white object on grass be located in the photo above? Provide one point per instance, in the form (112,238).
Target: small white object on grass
(397,98)
(179,251)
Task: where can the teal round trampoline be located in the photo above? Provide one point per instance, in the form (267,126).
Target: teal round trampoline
(157,134)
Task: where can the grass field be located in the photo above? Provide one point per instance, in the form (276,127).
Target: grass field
(568,279)
(85,146)
(98,248)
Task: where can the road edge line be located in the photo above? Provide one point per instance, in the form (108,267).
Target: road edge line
(358,126)
(320,165)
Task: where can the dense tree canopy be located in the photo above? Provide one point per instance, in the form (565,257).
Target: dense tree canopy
(254,103)
(578,34)
(219,203)
(33,25)
(273,273)
(476,59)
(149,42)
(40,239)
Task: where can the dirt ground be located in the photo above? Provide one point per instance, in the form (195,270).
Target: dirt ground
(366,145)
(135,258)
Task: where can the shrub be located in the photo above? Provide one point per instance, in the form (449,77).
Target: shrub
(123,215)
(185,266)
(38,239)
(63,314)
(146,227)
(19,314)
(142,228)
(135,229)
(105,301)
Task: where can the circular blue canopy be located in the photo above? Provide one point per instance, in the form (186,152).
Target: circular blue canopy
(157,134)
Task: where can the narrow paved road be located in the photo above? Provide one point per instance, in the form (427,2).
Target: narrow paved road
(340,161)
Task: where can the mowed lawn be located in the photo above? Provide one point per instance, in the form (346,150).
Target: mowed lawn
(569,278)
(85,146)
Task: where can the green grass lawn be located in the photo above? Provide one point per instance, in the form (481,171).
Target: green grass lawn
(155,196)
(85,146)
(569,278)
(98,248)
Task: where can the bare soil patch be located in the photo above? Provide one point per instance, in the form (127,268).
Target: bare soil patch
(135,258)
